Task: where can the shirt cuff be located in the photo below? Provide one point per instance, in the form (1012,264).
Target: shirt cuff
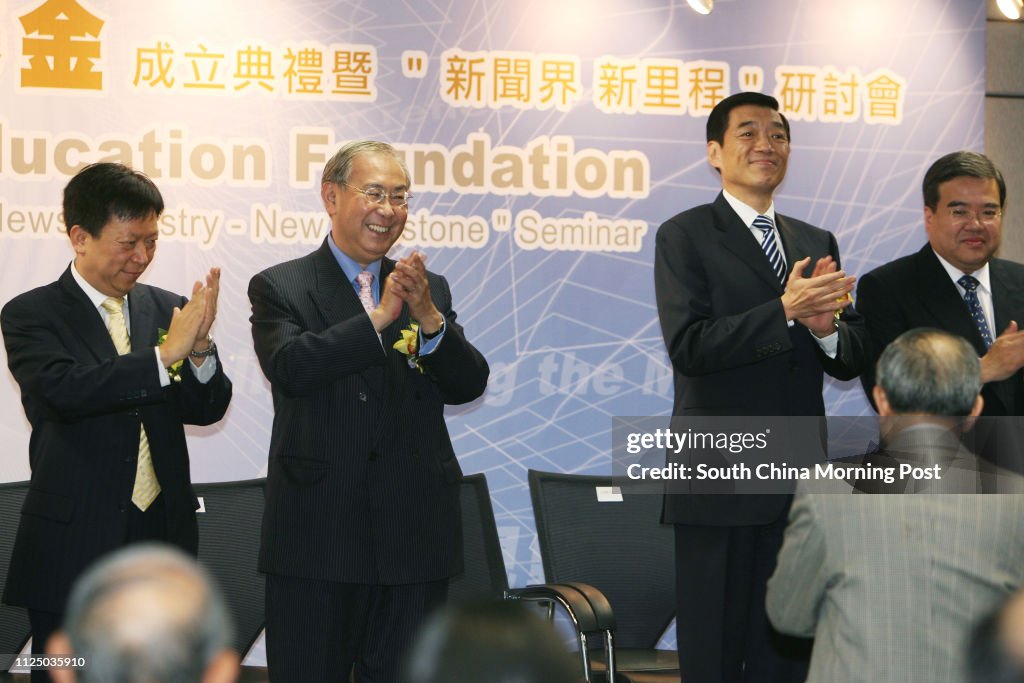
(204,373)
(165,379)
(829,345)
(427,346)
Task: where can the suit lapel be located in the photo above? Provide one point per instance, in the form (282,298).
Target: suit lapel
(397,364)
(793,243)
(142,313)
(82,317)
(336,299)
(941,299)
(741,242)
(334,295)
(1006,300)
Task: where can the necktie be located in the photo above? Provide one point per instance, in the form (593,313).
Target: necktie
(970,286)
(365,279)
(770,247)
(146,486)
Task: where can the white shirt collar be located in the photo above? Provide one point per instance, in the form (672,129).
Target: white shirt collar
(95,296)
(747,213)
(981,274)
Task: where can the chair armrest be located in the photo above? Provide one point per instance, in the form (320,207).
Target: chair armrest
(571,599)
(602,609)
(589,611)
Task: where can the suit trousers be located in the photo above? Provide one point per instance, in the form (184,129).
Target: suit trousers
(150,525)
(722,628)
(318,630)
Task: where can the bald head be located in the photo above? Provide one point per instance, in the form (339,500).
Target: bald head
(148,614)
(928,372)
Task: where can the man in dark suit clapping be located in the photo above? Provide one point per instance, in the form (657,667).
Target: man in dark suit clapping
(362,528)
(101,363)
(955,283)
(747,300)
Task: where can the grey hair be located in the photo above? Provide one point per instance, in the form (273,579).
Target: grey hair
(928,371)
(339,167)
(146,614)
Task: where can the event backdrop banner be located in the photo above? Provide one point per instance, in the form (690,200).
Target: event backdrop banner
(547,141)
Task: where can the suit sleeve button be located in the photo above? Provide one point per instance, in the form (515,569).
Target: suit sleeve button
(362,396)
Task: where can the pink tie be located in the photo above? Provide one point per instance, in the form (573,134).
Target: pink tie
(365,279)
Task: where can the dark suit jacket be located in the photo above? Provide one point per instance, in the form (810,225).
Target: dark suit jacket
(732,352)
(85,404)
(362,480)
(915,291)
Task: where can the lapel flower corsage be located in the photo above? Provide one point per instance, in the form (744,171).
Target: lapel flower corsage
(174,372)
(409,345)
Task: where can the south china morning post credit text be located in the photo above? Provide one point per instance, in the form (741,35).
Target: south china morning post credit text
(754,455)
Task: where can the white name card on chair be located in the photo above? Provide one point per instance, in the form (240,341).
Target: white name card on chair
(608,494)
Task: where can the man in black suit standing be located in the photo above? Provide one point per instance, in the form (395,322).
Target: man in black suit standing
(107,392)
(750,328)
(955,283)
(362,526)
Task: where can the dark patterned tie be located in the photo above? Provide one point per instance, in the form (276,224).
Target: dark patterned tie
(970,286)
(770,247)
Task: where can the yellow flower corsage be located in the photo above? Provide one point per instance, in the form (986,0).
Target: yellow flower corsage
(409,345)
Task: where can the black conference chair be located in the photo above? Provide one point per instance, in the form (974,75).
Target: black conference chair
(616,546)
(14,626)
(484,576)
(229,542)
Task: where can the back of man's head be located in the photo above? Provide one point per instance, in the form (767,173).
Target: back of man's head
(928,372)
(147,614)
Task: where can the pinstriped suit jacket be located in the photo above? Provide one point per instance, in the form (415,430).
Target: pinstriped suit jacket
(362,480)
(890,585)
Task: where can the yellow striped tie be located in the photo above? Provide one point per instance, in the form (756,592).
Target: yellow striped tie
(146,486)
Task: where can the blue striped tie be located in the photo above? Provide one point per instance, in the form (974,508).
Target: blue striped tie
(770,247)
(970,286)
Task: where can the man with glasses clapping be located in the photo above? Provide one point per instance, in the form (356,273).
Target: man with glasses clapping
(361,529)
(953,283)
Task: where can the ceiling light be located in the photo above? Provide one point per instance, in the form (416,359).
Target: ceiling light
(1011,9)
(705,6)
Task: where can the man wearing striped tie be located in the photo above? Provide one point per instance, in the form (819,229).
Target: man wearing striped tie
(110,370)
(747,300)
(954,282)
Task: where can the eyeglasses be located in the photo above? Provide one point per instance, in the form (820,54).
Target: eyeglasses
(398,200)
(987,217)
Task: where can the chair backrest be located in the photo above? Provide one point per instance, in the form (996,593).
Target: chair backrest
(14,626)
(484,575)
(229,543)
(613,540)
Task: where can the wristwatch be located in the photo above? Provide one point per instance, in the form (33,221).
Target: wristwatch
(208,352)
